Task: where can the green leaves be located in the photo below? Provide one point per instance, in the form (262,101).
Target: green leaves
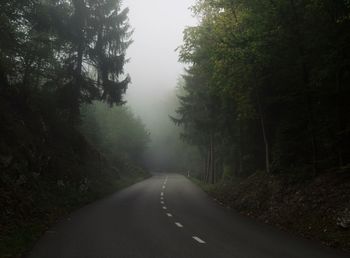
(277,62)
(115,131)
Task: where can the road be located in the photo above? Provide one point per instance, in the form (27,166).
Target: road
(167,216)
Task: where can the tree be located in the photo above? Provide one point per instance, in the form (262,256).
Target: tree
(115,131)
(269,67)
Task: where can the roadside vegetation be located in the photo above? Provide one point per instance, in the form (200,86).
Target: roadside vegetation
(65,141)
(266,102)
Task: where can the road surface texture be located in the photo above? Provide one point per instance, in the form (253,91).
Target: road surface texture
(167,216)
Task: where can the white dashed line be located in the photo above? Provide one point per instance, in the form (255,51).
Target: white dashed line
(161,202)
(163,186)
(161,194)
(198,240)
(164,207)
(178,224)
(169,215)
(162,198)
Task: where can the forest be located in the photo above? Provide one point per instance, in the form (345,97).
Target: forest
(65,138)
(266,102)
(267,87)
(259,118)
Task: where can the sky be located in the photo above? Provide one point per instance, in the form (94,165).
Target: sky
(153,66)
(155,70)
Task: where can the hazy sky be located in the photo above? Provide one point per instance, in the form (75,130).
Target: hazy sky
(153,67)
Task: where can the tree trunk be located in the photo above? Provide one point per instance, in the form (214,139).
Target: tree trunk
(240,149)
(212,160)
(305,80)
(207,167)
(79,7)
(339,119)
(267,154)
(263,128)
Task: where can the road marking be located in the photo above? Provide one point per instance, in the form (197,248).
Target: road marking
(198,240)
(161,194)
(163,186)
(178,224)
(164,208)
(169,215)
(161,202)
(162,198)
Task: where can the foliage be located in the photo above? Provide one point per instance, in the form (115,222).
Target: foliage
(55,57)
(115,131)
(73,50)
(267,85)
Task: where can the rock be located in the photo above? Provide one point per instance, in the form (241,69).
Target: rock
(343,221)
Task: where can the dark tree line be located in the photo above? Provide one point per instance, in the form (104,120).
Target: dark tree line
(268,86)
(56,57)
(65,52)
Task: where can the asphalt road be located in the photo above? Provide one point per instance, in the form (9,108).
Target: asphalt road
(168,216)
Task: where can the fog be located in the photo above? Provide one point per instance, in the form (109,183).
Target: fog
(154,66)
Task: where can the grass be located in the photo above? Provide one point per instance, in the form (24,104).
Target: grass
(18,237)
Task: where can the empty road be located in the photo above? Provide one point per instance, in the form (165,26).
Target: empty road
(167,216)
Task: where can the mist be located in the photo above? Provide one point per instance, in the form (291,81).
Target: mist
(112,147)
(154,69)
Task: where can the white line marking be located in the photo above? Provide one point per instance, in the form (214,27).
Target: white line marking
(161,194)
(164,208)
(162,198)
(161,202)
(163,186)
(198,240)
(178,224)
(169,215)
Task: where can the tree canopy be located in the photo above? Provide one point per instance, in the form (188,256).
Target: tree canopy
(73,51)
(267,85)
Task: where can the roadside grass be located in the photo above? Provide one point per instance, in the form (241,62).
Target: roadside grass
(206,187)
(18,237)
